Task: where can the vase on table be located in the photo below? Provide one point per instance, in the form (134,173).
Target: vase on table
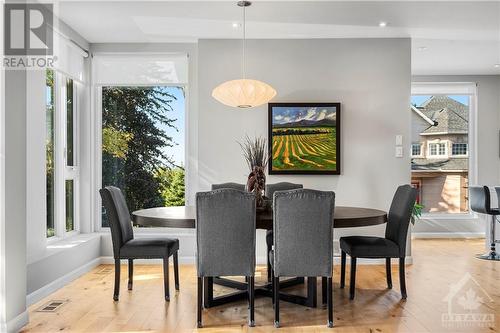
(255,153)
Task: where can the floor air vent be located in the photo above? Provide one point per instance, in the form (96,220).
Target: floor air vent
(52,306)
(104,270)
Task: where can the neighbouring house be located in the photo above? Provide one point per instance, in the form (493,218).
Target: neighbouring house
(439,151)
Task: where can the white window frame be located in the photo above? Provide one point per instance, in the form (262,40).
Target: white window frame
(98,147)
(437,142)
(62,172)
(420,147)
(456,88)
(460,155)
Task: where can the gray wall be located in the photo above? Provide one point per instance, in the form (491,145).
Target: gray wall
(488,161)
(15,194)
(370,77)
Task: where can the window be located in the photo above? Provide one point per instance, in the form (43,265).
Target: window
(437,149)
(416,149)
(459,149)
(143,144)
(49,151)
(61,154)
(442,122)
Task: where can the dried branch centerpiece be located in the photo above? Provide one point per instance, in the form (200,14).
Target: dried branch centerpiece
(256,156)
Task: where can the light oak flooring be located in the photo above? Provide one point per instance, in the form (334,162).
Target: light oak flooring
(438,264)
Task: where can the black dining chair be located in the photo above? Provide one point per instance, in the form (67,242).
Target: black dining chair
(480,202)
(125,246)
(392,246)
(269,192)
(234,186)
(225,241)
(303,242)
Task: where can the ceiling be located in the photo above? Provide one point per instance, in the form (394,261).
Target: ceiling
(460,37)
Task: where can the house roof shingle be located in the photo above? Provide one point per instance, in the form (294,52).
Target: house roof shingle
(448,164)
(451,116)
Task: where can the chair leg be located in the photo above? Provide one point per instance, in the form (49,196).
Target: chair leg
(276,302)
(117,280)
(388,272)
(352,286)
(324,291)
(165,279)
(251,300)
(176,270)
(330,302)
(272,284)
(342,269)
(200,300)
(402,277)
(269,275)
(130,273)
(312,292)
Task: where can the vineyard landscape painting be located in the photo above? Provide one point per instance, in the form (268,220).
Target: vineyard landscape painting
(304,138)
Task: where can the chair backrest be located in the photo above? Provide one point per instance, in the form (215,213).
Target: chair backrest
(399,217)
(303,232)
(480,199)
(282,186)
(234,186)
(118,217)
(225,233)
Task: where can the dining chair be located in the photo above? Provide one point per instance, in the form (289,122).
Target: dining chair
(225,240)
(393,245)
(125,246)
(480,202)
(235,186)
(303,242)
(269,192)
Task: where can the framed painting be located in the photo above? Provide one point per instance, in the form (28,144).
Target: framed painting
(304,138)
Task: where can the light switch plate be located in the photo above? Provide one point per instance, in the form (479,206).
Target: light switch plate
(399,140)
(399,151)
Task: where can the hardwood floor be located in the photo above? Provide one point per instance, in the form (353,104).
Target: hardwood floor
(438,264)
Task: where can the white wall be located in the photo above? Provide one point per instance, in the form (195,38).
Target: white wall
(370,77)
(488,160)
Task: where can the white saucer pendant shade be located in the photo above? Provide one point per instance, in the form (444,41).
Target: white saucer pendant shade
(243,93)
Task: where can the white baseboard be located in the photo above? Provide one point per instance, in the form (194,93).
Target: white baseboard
(107,260)
(421,235)
(61,282)
(15,324)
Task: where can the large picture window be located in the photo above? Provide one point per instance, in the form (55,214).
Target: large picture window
(143,144)
(441,124)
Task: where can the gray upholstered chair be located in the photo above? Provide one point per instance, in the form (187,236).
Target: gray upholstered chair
(392,246)
(225,239)
(303,241)
(125,246)
(235,186)
(270,189)
(480,202)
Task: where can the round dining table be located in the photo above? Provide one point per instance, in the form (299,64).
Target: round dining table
(185,217)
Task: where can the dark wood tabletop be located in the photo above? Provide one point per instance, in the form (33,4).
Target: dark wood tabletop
(185,217)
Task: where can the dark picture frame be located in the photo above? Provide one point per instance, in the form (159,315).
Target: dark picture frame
(320,129)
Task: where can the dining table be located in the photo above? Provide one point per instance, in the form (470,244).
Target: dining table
(185,217)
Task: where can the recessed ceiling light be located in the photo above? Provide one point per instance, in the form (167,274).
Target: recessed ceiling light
(382,24)
(422,48)
(236,25)
(496,65)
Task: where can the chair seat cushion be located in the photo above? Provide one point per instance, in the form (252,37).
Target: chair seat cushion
(369,247)
(146,248)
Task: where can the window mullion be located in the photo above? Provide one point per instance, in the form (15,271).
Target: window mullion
(59,158)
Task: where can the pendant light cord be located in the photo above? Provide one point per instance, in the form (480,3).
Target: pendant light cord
(244,40)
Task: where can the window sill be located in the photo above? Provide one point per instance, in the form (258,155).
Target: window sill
(446,216)
(56,245)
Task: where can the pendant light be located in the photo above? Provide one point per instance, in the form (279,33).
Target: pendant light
(243,93)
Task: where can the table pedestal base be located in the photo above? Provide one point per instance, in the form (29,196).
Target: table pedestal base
(260,290)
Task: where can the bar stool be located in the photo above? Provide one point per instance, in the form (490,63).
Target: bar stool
(480,202)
